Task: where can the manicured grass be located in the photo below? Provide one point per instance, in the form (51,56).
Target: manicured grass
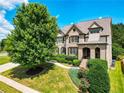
(4,59)
(51,80)
(7,89)
(116,79)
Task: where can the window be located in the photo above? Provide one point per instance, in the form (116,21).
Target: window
(97,52)
(63,50)
(73,50)
(86,38)
(96,30)
(74,39)
(60,39)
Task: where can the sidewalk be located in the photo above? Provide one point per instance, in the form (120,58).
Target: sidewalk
(16,85)
(7,66)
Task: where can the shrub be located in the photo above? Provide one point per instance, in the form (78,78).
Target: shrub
(62,60)
(73,73)
(82,73)
(71,58)
(94,62)
(76,62)
(69,62)
(61,55)
(98,76)
(84,85)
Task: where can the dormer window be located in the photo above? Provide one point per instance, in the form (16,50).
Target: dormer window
(95,30)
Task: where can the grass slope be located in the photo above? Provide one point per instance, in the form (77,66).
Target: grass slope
(4,59)
(53,80)
(116,79)
(7,89)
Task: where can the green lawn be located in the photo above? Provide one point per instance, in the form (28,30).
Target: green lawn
(116,79)
(51,80)
(4,59)
(7,89)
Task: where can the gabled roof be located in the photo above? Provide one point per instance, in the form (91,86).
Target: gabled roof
(94,23)
(105,23)
(74,26)
(60,33)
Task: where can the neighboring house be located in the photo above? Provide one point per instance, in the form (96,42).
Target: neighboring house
(89,39)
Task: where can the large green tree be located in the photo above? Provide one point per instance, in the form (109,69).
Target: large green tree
(2,44)
(32,41)
(117,39)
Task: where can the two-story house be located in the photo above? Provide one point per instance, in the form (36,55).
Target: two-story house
(89,39)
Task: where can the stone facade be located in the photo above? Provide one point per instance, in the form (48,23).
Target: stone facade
(89,39)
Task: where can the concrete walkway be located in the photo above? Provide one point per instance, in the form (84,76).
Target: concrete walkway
(7,66)
(83,63)
(17,85)
(63,66)
(12,83)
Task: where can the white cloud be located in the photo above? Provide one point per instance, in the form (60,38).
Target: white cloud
(100,17)
(11,4)
(5,25)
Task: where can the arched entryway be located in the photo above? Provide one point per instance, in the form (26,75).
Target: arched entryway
(86,53)
(97,52)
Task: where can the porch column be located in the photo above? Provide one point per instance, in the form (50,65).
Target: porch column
(67,49)
(92,53)
(80,53)
(59,50)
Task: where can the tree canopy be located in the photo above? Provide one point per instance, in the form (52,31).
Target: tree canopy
(117,39)
(32,41)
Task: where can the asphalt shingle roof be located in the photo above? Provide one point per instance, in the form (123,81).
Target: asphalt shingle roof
(105,23)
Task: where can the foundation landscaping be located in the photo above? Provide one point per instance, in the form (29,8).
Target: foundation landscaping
(71,60)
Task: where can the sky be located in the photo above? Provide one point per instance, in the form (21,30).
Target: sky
(66,11)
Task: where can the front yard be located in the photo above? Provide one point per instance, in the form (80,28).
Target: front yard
(51,80)
(4,59)
(116,79)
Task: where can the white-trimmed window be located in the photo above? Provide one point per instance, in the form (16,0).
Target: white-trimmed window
(60,39)
(63,50)
(73,51)
(74,39)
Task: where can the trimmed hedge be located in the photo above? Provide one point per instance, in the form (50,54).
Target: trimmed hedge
(73,73)
(94,62)
(98,76)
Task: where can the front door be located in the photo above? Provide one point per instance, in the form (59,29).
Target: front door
(86,53)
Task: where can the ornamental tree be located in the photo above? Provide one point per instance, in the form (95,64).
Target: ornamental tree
(32,41)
